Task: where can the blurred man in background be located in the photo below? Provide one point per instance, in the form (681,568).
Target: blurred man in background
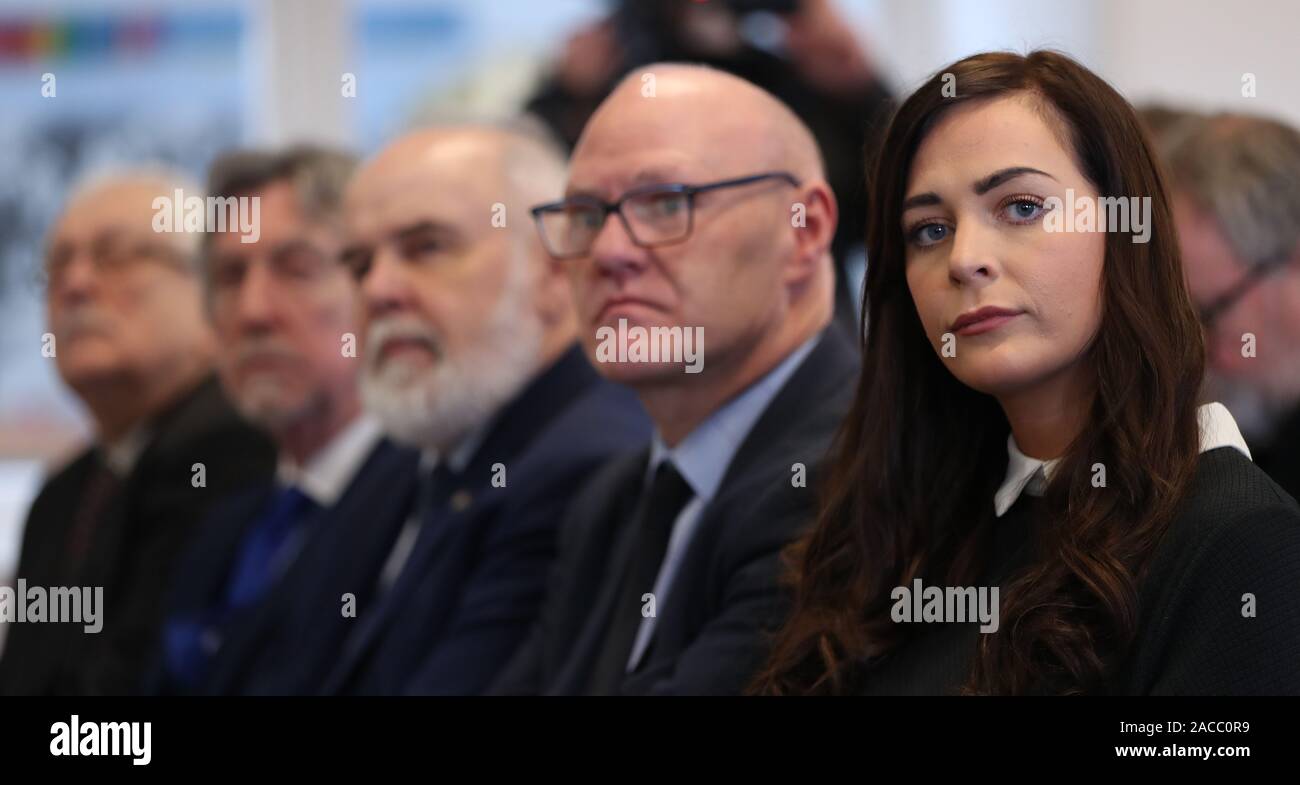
(667,580)
(806,55)
(287,315)
(1236,195)
(130,339)
(1167,125)
(469,355)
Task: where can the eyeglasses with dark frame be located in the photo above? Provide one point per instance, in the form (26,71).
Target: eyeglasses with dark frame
(653,215)
(110,255)
(1226,301)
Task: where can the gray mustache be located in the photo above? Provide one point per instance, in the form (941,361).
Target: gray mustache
(83,320)
(381,333)
(263,350)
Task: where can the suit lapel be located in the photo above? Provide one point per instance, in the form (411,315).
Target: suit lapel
(829,366)
(509,434)
(379,487)
(434,532)
(243,629)
(616,512)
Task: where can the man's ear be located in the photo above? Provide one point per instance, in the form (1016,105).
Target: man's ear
(813,218)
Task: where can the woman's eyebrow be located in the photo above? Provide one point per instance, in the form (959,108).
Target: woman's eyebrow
(999,177)
(921,200)
(980,187)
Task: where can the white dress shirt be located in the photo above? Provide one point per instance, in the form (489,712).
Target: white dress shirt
(1030,475)
(122,454)
(331,469)
(326,475)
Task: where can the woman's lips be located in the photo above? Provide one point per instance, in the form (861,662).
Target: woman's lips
(985,325)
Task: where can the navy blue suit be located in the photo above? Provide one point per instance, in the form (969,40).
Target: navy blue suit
(476,576)
(379,493)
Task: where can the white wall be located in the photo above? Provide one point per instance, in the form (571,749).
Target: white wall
(1191,52)
(1196,51)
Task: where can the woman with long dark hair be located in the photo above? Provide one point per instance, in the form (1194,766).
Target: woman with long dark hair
(1026,438)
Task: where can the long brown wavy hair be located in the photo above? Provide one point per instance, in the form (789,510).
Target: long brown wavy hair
(910,484)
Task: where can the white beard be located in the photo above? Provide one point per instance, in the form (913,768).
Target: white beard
(262,399)
(434,407)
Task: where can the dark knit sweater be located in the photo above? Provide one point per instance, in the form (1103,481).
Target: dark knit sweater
(1237,533)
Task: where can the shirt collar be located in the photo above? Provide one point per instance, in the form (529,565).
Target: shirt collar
(706,452)
(1030,475)
(458,457)
(1024,475)
(121,454)
(328,473)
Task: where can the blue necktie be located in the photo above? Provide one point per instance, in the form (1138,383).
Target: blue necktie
(263,547)
(190,641)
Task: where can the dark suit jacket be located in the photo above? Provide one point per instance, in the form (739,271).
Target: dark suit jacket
(475,577)
(710,634)
(133,548)
(378,493)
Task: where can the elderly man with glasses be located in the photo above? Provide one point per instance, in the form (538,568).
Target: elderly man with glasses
(130,338)
(668,572)
(1235,181)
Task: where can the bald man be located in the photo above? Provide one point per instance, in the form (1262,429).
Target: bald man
(130,339)
(696,213)
(469,356)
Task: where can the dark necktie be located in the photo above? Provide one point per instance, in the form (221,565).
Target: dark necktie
(392,653)
(432,495)
(100,489)
(435,490)
(652,526)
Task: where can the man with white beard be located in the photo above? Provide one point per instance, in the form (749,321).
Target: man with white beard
(287,318)
(470,355)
